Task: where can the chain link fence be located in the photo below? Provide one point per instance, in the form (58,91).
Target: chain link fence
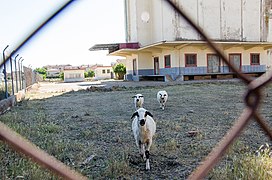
(14,81)
(252,100)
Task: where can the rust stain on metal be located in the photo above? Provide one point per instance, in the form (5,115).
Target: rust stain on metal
(252,101)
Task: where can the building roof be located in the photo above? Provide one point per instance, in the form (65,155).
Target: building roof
(73,68)
(103,67)
(52,70)
(177,45)
(114,47)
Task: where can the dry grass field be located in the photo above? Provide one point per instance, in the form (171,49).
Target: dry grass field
(91,130)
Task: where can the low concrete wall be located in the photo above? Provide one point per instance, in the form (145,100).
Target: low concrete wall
(11,101)
(6,104)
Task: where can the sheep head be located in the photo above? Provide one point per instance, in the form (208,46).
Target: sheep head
(162,96)
(141,115)
(137,97)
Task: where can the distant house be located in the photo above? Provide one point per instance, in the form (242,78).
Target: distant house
(103,72)
(73,74)
(59,67)
(89,67)
(52,73)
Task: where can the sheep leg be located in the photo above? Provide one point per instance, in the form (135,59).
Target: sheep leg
(147,165)
(142,150)
(147,154)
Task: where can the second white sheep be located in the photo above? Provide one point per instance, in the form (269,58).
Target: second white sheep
(162,97)
(138,101)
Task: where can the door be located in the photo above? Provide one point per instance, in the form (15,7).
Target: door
(213,62)
(156,66)
(134,66)
(235,60)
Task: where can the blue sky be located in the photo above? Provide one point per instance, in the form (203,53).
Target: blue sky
(67,38)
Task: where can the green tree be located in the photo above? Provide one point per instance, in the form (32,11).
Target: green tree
(89,73)
(41,71)
(61,76)
(119,70)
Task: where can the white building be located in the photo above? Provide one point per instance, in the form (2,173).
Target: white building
(160,43)
(103,72)
(73,74)
(53,73)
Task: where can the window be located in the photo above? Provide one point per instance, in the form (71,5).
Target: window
(73,75)
(190,60)
(167,61)
(254,59)
(77,75)
(108,71)
(103,71)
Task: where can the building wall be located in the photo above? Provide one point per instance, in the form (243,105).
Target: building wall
(221,19)
(73,75)
(104,72)
(145,62)
(53,73)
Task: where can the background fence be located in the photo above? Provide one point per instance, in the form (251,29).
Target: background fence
(14,80)
(253,96)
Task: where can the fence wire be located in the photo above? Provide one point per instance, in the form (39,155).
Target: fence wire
(22,145)
(253,96)
(252,99)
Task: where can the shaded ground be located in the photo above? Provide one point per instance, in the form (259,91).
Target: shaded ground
(90,130)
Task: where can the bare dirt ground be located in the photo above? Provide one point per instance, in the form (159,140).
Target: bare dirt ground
(90,128)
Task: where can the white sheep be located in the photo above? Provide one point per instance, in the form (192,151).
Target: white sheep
(162,97)
(143,127)
(138,101)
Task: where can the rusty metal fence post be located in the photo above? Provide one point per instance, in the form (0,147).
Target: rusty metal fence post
(22,145)
(252,99)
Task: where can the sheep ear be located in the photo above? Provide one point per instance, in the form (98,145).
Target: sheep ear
(148,113)
(134,114)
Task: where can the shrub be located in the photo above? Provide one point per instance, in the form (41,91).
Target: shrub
(41,71)
(119,70)
(61,75)
(89,73)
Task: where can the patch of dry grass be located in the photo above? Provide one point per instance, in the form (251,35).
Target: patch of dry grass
(91,130)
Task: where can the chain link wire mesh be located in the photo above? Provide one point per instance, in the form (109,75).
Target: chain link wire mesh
(252,100)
